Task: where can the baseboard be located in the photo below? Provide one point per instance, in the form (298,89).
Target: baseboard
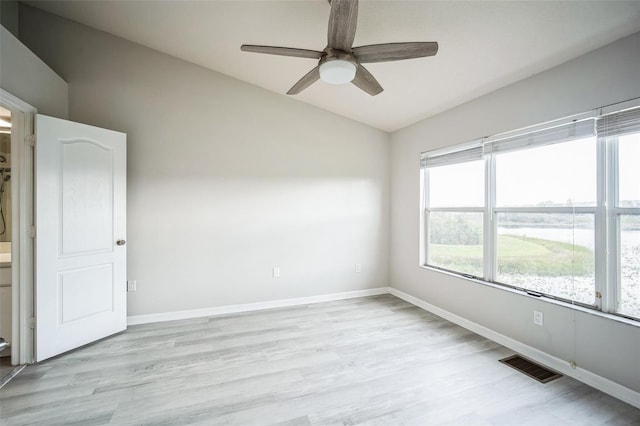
(247,307)
(605,385)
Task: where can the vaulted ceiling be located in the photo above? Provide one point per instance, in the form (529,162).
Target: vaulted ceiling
(484,45)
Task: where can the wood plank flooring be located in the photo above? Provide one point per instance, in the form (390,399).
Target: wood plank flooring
(375,360)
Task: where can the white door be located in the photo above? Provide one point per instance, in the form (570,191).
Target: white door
(81,230)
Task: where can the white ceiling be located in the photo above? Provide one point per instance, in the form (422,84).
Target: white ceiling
(484,45)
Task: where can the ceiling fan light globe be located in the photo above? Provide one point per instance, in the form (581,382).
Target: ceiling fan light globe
(337,71)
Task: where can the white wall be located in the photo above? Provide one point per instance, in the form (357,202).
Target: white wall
(605,347)
(24,75)
(225,180)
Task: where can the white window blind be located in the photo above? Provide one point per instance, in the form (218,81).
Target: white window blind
(619,123)
(470,152)
(563,133)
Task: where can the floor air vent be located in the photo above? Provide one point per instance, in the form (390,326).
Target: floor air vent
(531,369)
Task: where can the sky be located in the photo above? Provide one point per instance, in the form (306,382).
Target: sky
(554,173)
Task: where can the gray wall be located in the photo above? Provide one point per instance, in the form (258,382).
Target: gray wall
(26,76)
(225,180)
(603,346)
(9,11)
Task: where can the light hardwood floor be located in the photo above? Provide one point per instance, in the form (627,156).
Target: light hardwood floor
(375,360)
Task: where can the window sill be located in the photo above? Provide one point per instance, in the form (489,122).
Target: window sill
(613,317)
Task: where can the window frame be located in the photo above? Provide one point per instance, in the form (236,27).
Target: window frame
(614,214)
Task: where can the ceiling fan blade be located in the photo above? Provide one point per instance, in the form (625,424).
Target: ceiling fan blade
(306,81)
(282,51)
(342,24)
(365,81)
(394,51)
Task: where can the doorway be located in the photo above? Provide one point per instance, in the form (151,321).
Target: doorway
(81,286)
(16,235)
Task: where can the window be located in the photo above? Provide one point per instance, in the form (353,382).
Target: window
(629,236)
(620,132)
(455,212)
(554,211)
(543,243)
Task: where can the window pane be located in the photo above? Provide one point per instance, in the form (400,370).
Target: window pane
(629,159)
(457,185)
(554,175)
(455,241)
(548,253)
(630,265)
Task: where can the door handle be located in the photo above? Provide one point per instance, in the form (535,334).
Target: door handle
(121,242)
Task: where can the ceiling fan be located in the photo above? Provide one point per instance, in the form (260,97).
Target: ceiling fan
(339,62)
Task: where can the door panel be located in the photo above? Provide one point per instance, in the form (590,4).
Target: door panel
(85,292)
(87,188)
(80,214)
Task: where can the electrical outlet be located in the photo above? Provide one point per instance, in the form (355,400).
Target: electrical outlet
(358,267)
(276,272)
(131,285)
(538,318)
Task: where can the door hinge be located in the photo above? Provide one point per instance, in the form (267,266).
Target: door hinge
(30,140)
(32,322)
(32,232)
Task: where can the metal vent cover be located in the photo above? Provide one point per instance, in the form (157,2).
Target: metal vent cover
(531,369)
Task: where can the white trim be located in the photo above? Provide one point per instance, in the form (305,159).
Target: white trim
(543,210)
(13,102)
(423,216)
(27,244)
(611,295)
(600,227)
(598,382)
(626,210)
(456,209)
(248,307)
(490,232)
